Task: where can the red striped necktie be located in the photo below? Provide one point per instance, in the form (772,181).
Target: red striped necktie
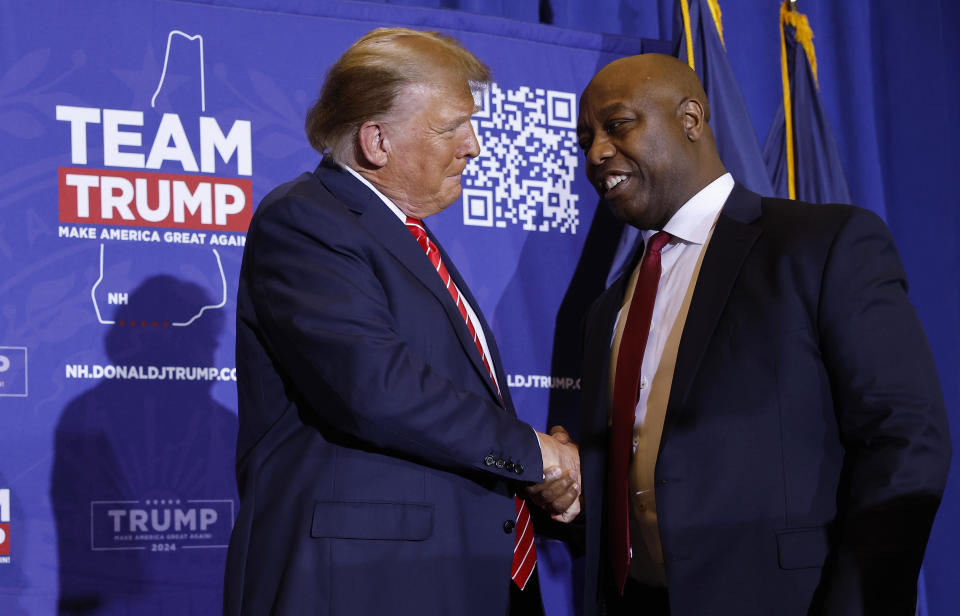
(633,343)
(524,550)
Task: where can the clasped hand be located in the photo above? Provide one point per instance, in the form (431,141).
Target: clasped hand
(559,494)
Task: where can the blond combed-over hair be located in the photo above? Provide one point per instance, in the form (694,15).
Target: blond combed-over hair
(367,79)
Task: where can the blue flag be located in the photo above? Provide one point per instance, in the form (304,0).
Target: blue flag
(801,153)
(701,38)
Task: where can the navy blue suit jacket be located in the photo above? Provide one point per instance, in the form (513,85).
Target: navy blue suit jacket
(805,445)
(376,464)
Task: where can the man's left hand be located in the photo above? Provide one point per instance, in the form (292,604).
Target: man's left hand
(559,493)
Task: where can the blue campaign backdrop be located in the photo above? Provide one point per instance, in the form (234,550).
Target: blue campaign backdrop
(116,346)
(138,137)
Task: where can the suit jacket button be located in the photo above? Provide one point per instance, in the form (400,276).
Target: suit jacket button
(518,468)
(508,526)
(489,460)
(509,466)
(501,462)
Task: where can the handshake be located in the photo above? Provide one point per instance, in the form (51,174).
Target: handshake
(559,494)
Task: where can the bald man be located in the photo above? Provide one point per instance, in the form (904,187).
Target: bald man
(777,443)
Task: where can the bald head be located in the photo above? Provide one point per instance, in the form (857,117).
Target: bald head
(643,127)
(664,74)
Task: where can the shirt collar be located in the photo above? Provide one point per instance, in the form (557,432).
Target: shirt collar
(693,221)
(390,204)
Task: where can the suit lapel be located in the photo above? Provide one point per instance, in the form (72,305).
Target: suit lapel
(464,334)
(733,237)
(384,226)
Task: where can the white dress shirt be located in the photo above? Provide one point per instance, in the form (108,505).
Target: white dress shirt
(690,229)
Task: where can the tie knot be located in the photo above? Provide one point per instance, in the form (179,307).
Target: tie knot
(658,241)
(415,225)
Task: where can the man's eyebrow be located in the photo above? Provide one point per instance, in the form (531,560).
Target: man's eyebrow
(467,116)
(611,108)
(603,113)
(448,122)
(456,122)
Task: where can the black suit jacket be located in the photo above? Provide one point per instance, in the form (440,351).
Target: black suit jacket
(805,445)
(376,464)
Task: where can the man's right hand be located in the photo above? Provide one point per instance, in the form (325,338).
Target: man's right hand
(559,494)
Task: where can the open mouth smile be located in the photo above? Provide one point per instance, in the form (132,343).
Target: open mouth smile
(612,184)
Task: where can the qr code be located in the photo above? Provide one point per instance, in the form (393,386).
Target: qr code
(529,155)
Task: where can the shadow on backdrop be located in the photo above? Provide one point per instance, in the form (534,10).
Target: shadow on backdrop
(586,285)
(143,489)
(527,287)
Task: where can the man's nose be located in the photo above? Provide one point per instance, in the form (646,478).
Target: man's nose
(471,147)
(600,150)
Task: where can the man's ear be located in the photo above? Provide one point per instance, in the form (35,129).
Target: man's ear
(372,144)
(692,117)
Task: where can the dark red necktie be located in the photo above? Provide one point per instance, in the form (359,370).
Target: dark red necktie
(524,550)
(626,383)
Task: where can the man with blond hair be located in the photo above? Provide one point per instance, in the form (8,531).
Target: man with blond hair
(379,456)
